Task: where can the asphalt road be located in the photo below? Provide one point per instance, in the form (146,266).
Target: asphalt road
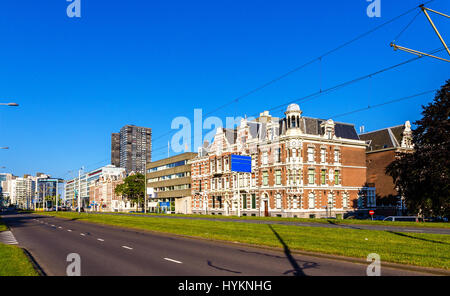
(106,250)
(292,223)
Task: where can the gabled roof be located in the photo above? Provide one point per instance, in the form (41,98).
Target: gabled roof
(386,138)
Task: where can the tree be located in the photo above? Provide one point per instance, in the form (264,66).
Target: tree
(132,188)
(423,177)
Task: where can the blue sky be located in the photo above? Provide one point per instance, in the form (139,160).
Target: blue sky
(147,62)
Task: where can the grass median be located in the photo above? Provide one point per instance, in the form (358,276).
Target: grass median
(310,220)
(427,250)
(13,261)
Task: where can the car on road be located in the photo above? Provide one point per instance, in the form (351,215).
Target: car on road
(402,218)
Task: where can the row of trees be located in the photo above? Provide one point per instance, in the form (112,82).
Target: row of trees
(423,177)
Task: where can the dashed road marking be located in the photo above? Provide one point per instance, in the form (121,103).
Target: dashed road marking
(100,239)
(69,230)
(172,260)
(126,247)
(59,227)
(82,234)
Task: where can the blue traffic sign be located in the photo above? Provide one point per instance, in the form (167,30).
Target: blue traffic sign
(241,163)
(164,204)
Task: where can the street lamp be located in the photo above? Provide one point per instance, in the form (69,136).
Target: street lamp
(10,104)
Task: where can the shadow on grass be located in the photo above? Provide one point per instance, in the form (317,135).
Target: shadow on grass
(418,238)
(297,270)
(343,225)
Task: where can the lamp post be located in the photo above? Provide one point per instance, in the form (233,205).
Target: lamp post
(10,104)
(145,186)
(79,189)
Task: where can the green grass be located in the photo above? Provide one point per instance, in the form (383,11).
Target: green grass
(322,221)
(428,250)
(2,226)
(13,261)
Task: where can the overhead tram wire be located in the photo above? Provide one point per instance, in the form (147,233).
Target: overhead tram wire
(319,58)
(370,107)
(336,87)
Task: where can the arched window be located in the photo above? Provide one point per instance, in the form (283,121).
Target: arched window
(311,200)
(278,201)
(345,200)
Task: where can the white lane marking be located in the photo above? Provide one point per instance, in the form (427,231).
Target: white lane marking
(172,260)
(100,239)
(82,234)
(59,227)
(53,225)
(127,247)
(7,237)
(69,230)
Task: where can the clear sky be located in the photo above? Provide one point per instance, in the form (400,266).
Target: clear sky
(77,80)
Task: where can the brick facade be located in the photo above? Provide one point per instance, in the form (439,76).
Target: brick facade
(300,167)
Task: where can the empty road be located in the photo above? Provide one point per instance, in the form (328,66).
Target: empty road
(106,250)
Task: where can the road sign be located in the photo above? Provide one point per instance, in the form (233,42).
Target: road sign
(164,204)
(371,212)
(241,163)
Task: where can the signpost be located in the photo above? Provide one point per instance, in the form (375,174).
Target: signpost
(240,164)
(371,212)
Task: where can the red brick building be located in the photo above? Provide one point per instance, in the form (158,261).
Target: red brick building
(383,147)
(301,167)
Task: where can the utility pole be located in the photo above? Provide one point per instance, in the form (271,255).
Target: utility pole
(238,197)
(56,195)
(79,190)
(145,186)
(43,199)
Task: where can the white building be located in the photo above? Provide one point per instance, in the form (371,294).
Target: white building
(22,191)
(85,181)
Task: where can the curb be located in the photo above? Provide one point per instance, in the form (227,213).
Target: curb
(33,262)
(426,270)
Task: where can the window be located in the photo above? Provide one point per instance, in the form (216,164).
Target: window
(330,200)
(278,177)
(311,154)
(279,155)
(336,177)
(345,200)
(323,177)
(278,201)
(323,152)
(336,156)
(265,179)
(311,176)
(253,201)
(244,201)
(265,159)
(311,201)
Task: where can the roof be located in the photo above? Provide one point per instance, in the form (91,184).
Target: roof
(390,137)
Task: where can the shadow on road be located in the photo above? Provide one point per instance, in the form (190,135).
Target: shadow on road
(221,268)
(297,270)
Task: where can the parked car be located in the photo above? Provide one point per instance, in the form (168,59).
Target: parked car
(402,218)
